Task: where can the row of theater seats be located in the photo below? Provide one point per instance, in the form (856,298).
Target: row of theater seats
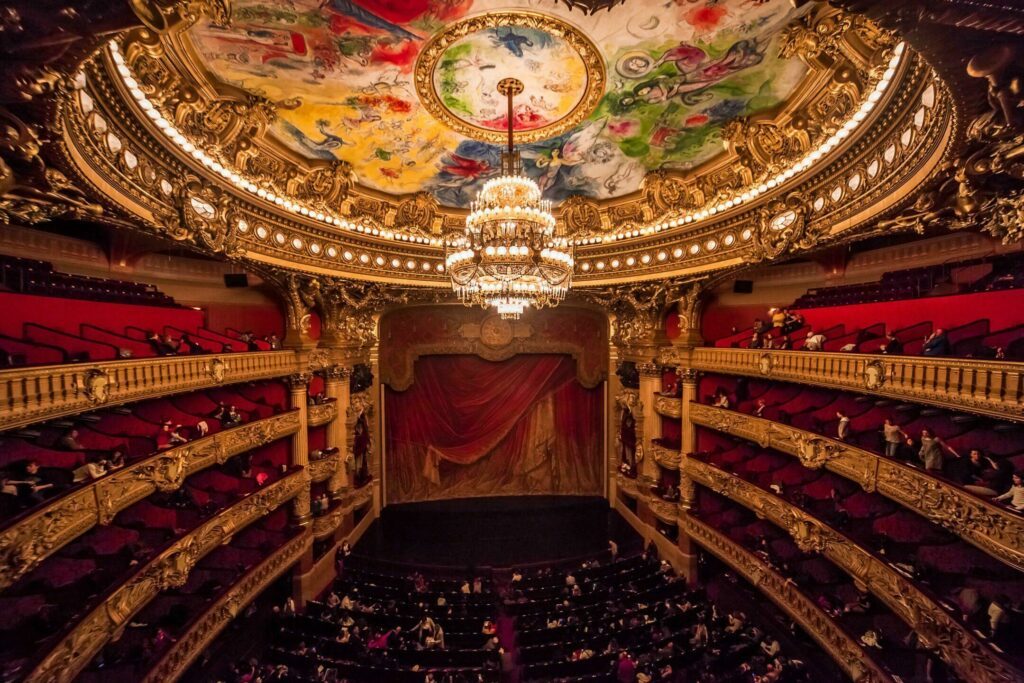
(602,621)
(46,602)
(975,275)
(974,339)
(43,345)
(169,616)
(812,409)
(72,452)
(29,276)
(937,560)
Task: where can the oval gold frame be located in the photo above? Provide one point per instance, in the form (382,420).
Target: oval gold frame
(439,43)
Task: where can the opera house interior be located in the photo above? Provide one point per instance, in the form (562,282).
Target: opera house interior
(518,341)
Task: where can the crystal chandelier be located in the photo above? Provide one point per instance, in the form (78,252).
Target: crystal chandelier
(511,255)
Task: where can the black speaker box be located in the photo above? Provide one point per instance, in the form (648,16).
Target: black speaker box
(743,287)
(236,280)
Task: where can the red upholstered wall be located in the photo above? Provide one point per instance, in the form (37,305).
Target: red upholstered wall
(68,314)
(261,320)
(1001,308)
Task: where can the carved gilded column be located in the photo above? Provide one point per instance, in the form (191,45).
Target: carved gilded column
(688,382)
(299,385)
(336,386)
(650,387)
(374,423)
(612,412)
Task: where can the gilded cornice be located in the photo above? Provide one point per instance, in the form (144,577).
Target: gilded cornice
(210,623)
(990,527)
(44,392)
(161,182)
(843,648)
(31,540)
(994,388)
(322,413)
(970,657)
(168,570)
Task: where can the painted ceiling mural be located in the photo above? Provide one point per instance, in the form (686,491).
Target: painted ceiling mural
(674,71)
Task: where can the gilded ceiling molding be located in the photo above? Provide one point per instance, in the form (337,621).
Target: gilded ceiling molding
(991,527)
(409,333)
(967,654)
(32,539)
(377,239)
(349,312)
(994,388)
(184,651)
(168,570)
(781,590)
(44,392)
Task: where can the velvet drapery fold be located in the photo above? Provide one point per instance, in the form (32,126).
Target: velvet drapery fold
(472,427)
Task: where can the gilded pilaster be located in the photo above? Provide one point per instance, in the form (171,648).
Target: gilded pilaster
(299,386)
(336,386)
(650,387)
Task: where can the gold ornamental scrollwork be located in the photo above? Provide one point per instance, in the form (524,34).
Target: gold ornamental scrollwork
(217,370)
(433,51)
(95,384)
(874,375)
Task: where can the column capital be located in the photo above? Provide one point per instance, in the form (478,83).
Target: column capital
(337,372)
(298,381)
(649,369)
(688,375)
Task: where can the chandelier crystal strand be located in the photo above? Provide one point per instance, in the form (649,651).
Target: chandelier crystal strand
(512,254)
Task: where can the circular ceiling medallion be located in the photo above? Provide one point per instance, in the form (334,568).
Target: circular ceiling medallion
(458,71)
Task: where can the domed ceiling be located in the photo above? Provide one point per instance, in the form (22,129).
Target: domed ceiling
(404,90)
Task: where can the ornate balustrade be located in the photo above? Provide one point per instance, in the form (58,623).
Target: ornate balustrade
(322,413)
(663,455)
(668,406)
(988,387)
(990,527)
(30,395)
(321,469)
(208,625)
(972,659)
(169,569)
(850,656)
(29,541)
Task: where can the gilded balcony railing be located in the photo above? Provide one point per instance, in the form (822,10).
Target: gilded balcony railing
(326,524)
(29,541)
(990,527)
(668,406)
(170,569)
(33,394)
(322,413)
(663,455)
(321,469)
(847,653)
(218,615)
(988,387)
(969,656)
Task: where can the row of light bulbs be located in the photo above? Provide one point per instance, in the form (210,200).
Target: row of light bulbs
(803,164)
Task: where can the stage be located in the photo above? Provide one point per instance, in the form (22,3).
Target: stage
(496,532)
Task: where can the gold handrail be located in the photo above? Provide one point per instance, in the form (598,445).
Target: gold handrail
(991,388)
(170,569)
(208,626)
(990,527)
(322,413)
(849,655)
(966,653)
(29,541)
(34,394)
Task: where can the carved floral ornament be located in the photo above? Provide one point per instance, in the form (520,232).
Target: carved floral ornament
(378,237)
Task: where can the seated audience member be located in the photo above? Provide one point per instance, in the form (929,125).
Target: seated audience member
(980,474)
(232,419)
(892,346)
(69,441)
(155,343)
(931,451)
(815,341)
(1015,495)
(33,485)
(784,343)
(220,412)
(759,408)
(759,326)
(192,345)
(274,341)
(116,460)
(936,344)
(171,344)
(90,471)
(794,321)
(177,438)
(894,436)
(163,437)
(720,400)
(755,340)
(202,428)
(843,427)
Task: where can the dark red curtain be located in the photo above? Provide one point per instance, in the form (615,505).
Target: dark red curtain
(472,427)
